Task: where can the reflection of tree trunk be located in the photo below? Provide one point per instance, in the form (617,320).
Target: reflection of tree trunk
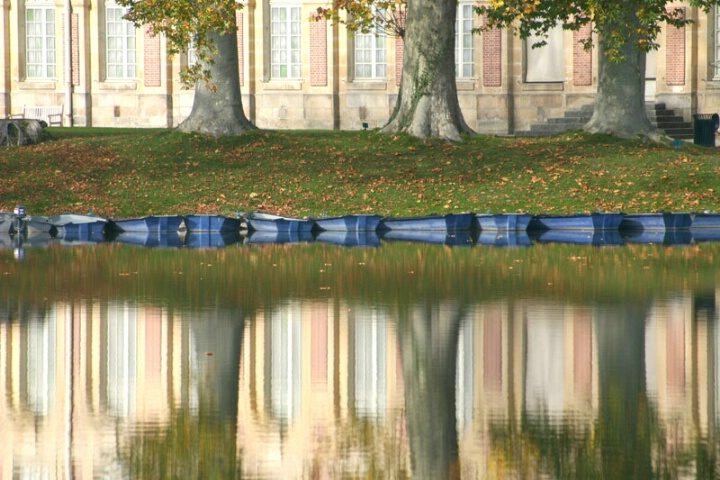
(625,421)
(428,347)
(217,342)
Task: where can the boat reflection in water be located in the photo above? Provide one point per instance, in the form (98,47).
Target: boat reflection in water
(214,375)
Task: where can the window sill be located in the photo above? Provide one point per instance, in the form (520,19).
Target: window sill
(464,84)
(116,86)
(38,85)
(369,84)
(284,85)
(543,87)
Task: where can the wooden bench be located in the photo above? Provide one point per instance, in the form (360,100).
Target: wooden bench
(53,115)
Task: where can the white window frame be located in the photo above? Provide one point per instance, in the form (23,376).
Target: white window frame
(370,54)
(40,42)
(191,53)
(285,42)
(464,41)
(120,44)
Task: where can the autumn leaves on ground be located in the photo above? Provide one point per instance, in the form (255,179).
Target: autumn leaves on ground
(119,173)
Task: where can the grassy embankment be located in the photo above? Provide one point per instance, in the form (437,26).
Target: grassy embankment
(123,173)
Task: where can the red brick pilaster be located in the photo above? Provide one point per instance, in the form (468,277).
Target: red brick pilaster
(582,59)
(492,57)
(675,54)
(318,53)
(74,48)
(399,55)
(151,65)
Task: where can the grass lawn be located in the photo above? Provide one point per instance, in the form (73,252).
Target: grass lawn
(135,172)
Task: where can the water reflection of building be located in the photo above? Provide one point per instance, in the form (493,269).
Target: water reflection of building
(76,378)
(314,375)
(318,384)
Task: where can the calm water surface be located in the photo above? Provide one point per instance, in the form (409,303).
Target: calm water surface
(401,360)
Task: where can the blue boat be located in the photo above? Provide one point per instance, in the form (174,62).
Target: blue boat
(211,223)
(455,238)
(349,239)
(264,237)
(589,222)
(78,235)
(212,239)
(150,239)
(445,223)
(265,222)
(705,220)
(658,236)
(160,223)
(71,227)
(504,238)
(503,221)
(705,234)
(581,237)
(656,221)
(349,223)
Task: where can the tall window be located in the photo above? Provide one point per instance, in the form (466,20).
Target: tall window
(464,49)
(120,44)
(285,42)
(40,41)
(371,54)
(192,53)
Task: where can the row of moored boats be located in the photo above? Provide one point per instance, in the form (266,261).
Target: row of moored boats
(458,228)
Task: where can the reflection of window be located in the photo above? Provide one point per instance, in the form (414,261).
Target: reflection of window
(464,49)
(464,381)
(41,364)
(371,364)
(285,42)
(370,54)
(40,42)
(546,63)
(286,362)
(545,363)
(122,355)
(120,44)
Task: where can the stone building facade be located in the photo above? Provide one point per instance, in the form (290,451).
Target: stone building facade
(316,75)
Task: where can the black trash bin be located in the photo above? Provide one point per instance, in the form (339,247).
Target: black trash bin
(706,124)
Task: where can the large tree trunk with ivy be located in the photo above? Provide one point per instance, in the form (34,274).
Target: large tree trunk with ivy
(218,111)
(427,104)
(620,101)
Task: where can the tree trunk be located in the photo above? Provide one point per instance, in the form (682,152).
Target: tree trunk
(427,104)
(620,101)
(219,113)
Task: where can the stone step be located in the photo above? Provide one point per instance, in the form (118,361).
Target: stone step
(661,117)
